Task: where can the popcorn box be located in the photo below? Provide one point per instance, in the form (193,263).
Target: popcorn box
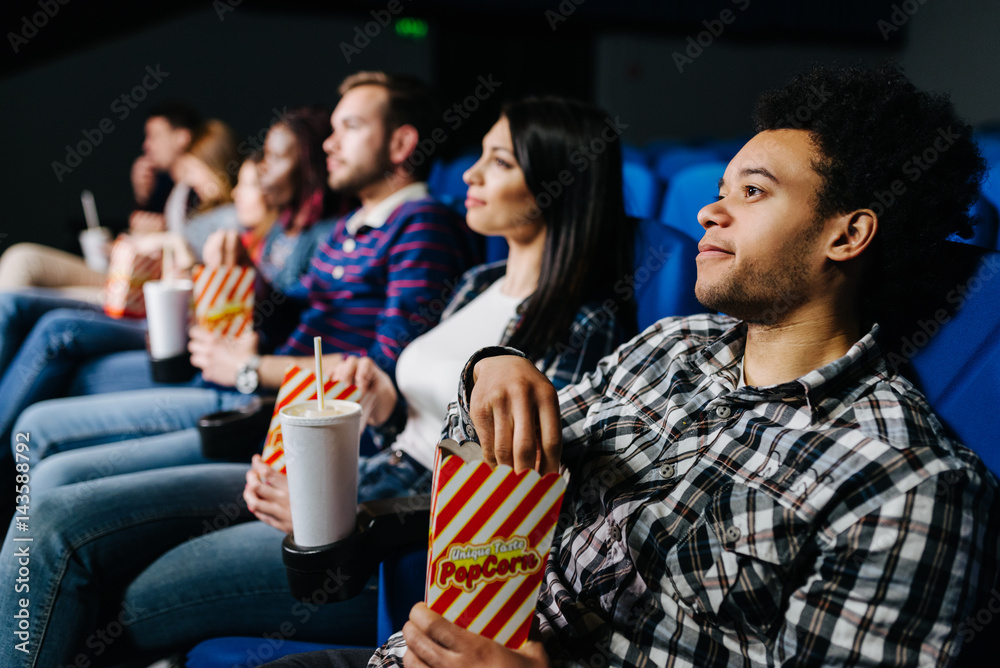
(490,534)
(128,269)
(297,386)
(224,299)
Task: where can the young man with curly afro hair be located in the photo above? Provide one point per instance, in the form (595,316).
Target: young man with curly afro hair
(760,488)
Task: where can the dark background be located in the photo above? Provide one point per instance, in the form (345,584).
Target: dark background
(240,62)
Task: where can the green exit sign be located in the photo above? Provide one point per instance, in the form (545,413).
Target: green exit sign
(411,28)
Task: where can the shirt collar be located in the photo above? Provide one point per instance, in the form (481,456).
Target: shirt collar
(822,387)
(375,216)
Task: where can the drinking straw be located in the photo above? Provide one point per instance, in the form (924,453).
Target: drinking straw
(89,209)
(168,262)
(318,348)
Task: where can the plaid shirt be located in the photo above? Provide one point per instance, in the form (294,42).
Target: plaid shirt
(824,521)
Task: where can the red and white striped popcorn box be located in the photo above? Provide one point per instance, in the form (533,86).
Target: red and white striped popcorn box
(224,299)
(490,534)
(299,385)
(128,269)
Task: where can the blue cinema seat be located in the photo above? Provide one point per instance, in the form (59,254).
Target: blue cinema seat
(957,363)
(691,189)
(445,180)
(672,161)
(987,231)
(642,190)
(957,366)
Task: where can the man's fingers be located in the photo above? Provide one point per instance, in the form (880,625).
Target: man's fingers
(420,649)
(229,242)
(550,432)
(503,435)
(347,370)
(523,441)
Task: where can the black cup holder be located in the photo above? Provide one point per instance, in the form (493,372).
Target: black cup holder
(341,570)
(236,435)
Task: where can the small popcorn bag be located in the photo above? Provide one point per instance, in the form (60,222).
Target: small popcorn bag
(490,534)
(299,385)
(128,269)
(224,299)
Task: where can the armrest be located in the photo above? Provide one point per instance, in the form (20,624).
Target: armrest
(236,435)
(340,570)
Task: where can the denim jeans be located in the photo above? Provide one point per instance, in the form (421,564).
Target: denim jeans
(180,562)
(156,561)
(83,438)
(42,345)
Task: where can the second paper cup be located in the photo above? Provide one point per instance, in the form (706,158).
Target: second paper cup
(321,460)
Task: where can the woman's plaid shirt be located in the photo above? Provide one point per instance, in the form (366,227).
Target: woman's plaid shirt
(823,521)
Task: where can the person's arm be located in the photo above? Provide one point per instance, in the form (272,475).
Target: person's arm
(143,179)
(220,359)
(509,379)
(898,586)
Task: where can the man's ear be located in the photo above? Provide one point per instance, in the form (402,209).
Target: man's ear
(852,234)
(182,139)
(402,144)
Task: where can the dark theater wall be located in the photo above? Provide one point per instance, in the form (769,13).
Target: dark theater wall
(240,69)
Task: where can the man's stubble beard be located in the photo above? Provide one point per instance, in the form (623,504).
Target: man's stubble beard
(364,175)
(759,293)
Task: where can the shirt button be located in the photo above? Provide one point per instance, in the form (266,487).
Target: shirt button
(338,272)
(349,245)
(615,533)
(733,534)
(667,470)
(598,433)
(723,411)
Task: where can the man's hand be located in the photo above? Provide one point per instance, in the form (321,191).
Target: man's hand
(516,414)
(434,642)
(378,394)
(143,179)
(219,358)
(223,248)
(143,222)
(266,494)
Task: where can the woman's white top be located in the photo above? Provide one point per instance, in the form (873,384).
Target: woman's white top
(428,369)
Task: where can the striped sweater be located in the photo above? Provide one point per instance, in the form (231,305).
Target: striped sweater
(368,292)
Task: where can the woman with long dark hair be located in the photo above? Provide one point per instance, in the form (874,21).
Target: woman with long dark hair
(569,243)
(219,573)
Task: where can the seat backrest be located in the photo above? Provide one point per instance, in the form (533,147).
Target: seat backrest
(956,359)
(987,234)
(642,190)
(665,273)
(691,189)
(672,161)
(445,181)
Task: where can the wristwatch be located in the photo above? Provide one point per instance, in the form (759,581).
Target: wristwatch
(247,378)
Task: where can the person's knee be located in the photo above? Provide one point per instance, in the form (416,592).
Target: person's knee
(29,430)
(19,265)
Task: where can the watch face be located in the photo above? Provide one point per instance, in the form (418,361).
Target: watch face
(246,381)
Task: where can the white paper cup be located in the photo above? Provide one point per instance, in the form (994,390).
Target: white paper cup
(96,245)
(168,304)
(321,460)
